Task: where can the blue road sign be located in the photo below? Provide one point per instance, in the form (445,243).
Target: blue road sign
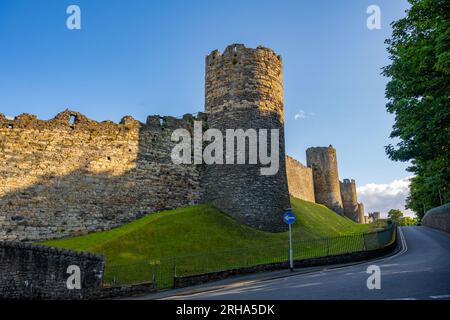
(289,217)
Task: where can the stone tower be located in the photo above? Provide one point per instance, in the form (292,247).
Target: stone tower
(244,90)
(349,199)
(361,213)
(323,161)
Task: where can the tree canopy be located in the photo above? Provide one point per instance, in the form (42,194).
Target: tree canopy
(395,215)
(418,95)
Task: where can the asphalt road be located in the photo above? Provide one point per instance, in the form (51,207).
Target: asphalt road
(421,270)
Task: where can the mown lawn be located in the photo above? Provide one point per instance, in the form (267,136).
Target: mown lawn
(204,239)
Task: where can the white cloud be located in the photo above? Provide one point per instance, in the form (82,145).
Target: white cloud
(383,197)
(9,118)
(302,114)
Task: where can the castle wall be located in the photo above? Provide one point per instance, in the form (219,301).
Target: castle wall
(323,162)
(62,179)
(244,90)
(349,199)
(300,180)
(374,215)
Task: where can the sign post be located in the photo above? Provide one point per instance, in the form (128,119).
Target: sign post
(289,219)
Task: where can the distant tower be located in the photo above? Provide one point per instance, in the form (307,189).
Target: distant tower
(361,213)
(323,161)
(349,199)
(375,215)
(244,90)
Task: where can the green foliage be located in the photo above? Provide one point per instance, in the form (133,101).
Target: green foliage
(202,228)
(408,221)
(395,215)
(419,93)
(204,239)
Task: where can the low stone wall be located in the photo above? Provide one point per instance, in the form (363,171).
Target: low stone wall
(186,281)
(37,272)
(438,218)
(123,291)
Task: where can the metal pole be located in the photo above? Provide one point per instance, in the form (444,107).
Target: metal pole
(291,255)
(174,267)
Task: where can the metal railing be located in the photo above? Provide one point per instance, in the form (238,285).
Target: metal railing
(162,271)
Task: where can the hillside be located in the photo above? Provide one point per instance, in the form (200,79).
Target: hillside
(202,228)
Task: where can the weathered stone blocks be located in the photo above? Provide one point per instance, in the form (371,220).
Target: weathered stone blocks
(323,162)
(36,272)
(349,199)
(300,180)
(244,90)
(71,175)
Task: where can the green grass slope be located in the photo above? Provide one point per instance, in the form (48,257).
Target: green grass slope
(202,239)
(200,229)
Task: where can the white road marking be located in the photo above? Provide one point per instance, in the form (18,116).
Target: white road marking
(308,285)
(403,299)
(444,296)
(319,273)
(389,265)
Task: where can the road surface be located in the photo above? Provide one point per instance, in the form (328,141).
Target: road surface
(421,270)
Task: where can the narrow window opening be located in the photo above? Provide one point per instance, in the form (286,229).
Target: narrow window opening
(72,119)
(10,126)
(109,158)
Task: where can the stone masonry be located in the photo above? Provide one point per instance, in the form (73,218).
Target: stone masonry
(300,180)
(323,162)
(36,272)
(361,217)
(71,175)
(349,199)
(244,90)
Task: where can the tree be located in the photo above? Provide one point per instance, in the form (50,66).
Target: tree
(395,215)
(408,221)
(418,95)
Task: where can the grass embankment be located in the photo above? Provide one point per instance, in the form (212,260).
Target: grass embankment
(195,235)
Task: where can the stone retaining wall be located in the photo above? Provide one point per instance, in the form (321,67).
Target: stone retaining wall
(36,272)
(438,218)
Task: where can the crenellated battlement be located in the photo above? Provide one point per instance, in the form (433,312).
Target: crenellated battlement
(238,52)
(72,120)
(67,119)
(348,182)
(244,79)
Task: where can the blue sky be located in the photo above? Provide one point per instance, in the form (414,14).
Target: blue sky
(144,57)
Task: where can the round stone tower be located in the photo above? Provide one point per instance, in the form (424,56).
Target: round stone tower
(361,212)
(323,162)
(244,90)
(349,199)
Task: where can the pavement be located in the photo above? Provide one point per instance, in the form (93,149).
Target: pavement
(418,269)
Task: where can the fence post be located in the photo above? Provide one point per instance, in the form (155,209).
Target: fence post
(154,273)
(174,267)
(364,242)
(328,246)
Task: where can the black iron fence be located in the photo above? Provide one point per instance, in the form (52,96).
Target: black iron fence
(162,271)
